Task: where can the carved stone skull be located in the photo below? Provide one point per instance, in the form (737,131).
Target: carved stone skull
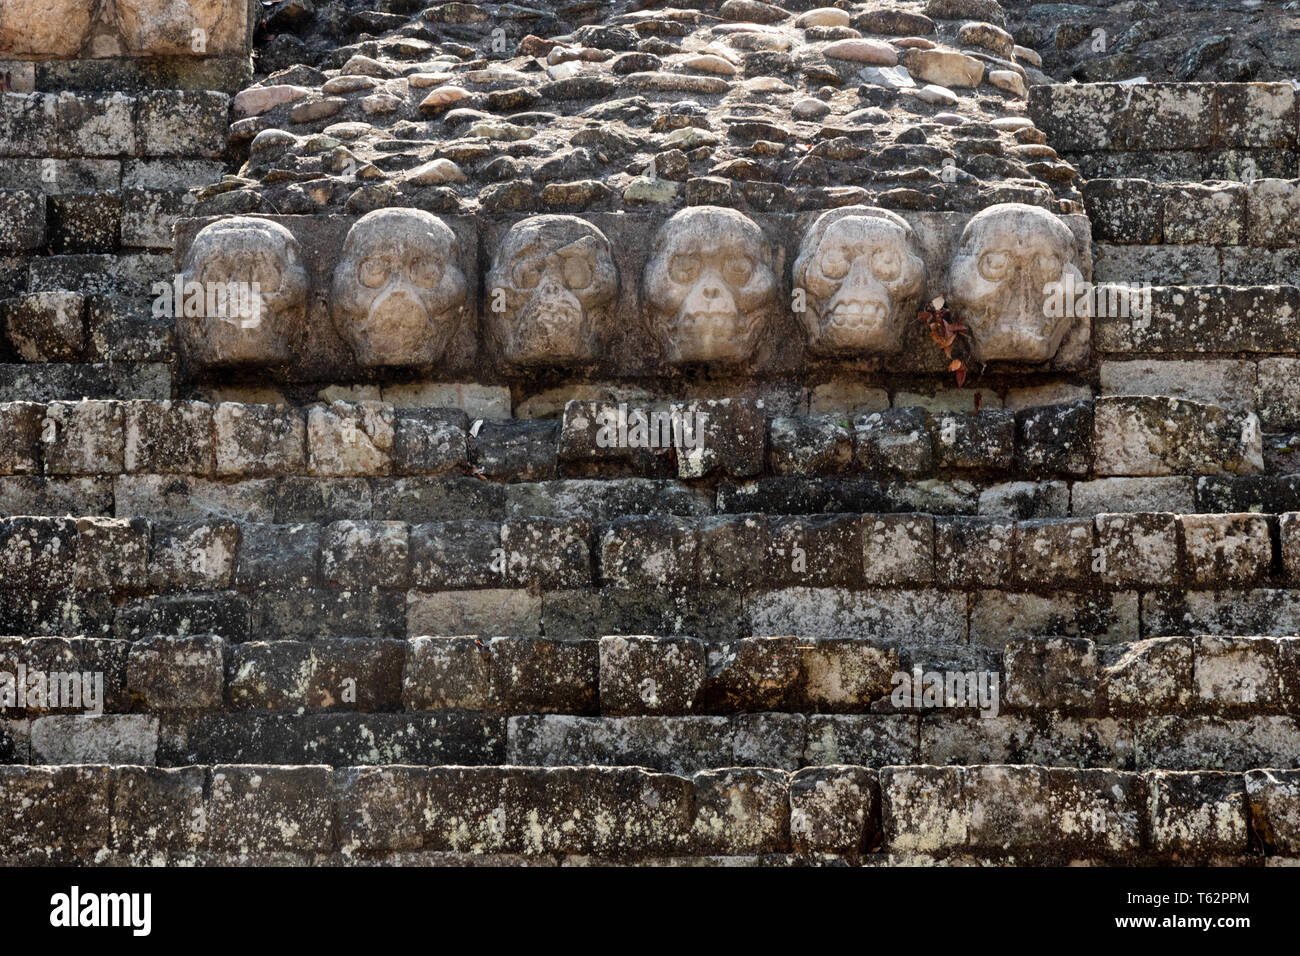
(1008,256)
(710,286)
(254,269)
(863,275)
(398,290)
(551,291)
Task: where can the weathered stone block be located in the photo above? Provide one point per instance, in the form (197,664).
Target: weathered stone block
(844,674)
(37,554)
(1225,550)
(20,452)
(651,675)
(649,552)
(545,676)
(22,220)
(1053,553)
(168,437)
(492,611)
(448,673)
(833,810)
(268,675)
(997,616)
(888,615)
(924,809)
(1152,436)
(514,450)
(349,439)
(112,554)
(193,557)
(814,551)
(970,552)
(266,809)
(356,674)
(1055,674)
(221,613)
(177,673)
(982,440)
(430,441)
(1273,212)
(1151,676)
(365,554)
(91,739)
(1274,801)
(1055,439)
(741,811)
(457,554)
(1137,550)
(46,326)
(278,556)
(94,125)
(895,442)
(83,438)
(753,674)
(817,445)
(257,440)
(1236,674)
(730,438)
(1123,210)
(550,553)
(183,123)
(897,549)
(157,810)
(54,810)
(1199,814)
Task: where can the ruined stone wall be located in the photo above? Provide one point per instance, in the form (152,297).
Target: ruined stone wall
(525,434)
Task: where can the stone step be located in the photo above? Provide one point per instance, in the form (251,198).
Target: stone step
(666,702)
(1172,131)
(1258,215)
(430,499)
(160,441)
(233,813)
(901,577)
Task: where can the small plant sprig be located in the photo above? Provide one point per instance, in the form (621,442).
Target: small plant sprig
(951,335)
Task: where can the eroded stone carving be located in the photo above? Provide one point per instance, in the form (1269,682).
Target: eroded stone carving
(53,28)
(862,274)
(710,286)
(551,291)
(1007,259)
(252,285)
(179,27)
(399,291)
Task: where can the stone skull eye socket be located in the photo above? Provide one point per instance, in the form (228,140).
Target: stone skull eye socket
(995,266)
(373,272)
(527,274)
(213,271)
(736,270)
(425,271)
(1049,267)
(577,273)
(683,269)
(886,264)
(267,276)
(834,263)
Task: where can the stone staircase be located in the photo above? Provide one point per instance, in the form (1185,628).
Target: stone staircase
(342,610)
